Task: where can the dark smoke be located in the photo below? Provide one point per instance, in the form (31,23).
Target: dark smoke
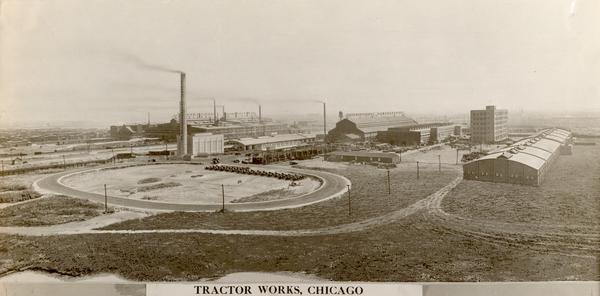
(131,58)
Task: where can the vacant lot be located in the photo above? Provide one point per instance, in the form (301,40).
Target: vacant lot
(18,188)
(369,198)
(183,183)
(409,250)
(49,211)
(569,195)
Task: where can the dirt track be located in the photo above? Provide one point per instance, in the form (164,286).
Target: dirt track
(333,186)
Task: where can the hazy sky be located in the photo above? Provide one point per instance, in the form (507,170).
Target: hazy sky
(80,59)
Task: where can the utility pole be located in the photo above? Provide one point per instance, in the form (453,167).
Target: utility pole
(64,162)
(105,200)
(417,170)
(113,155)
(166,151)
(388,183)
(349,202)
(223,194)
(439,163)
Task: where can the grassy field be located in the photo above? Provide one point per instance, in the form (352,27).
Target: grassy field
(18,188)
(409,250)
(570,194)
(49,211)
(369,199)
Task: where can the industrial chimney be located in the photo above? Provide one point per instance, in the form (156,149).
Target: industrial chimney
(215,111)
(182,147)
(224,114)
(324,121)
(259,114)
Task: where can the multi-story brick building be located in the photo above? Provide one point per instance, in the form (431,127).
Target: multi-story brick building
(489,125)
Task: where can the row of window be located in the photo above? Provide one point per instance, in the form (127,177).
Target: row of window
(513,176)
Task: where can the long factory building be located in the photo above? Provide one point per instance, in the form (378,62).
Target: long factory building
(525,162)
(365,126)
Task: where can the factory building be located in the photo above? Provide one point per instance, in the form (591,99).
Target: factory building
(126,131)
(362,156)
(525,162)
(419,134)
(361,127)
(275,142)
(489,126)
(203,144)
(248,130)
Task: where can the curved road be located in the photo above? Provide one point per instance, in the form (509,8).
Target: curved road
(333,186)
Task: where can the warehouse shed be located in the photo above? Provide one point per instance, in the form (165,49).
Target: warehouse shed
(525,162)
(363,156)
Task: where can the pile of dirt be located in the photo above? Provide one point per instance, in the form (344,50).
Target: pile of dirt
(148,180)
(157,186)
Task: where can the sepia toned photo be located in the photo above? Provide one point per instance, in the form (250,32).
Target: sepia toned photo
(260,141)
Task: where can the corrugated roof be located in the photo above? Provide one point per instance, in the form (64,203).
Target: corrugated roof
(533,151)
(547,145)
(528,160)
(273,139)
(363,154)
(376,124)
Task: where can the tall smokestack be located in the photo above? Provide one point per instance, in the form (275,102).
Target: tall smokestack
(182,149)
(324,122)
(215,111)
(259,114)
(224,114)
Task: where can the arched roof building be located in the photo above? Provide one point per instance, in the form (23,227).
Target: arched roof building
(525,162)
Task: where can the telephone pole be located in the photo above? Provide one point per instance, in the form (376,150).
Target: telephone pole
(105,200)
(64,162)
(223,195)
(417,170)
(439,163)
(388,182)
(349,202)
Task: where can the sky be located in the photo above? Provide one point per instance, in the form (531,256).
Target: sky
(98,60)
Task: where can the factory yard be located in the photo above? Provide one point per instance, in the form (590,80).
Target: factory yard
(187,183)
(415,246)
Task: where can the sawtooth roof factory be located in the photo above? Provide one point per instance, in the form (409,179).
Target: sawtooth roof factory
(365,126)
(525,162)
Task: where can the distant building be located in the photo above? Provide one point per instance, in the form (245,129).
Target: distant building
(419,134)
(205,144)
(362,156)
(126,132)
(365,126)
(489,126)
(245,130)
(275,142)
(525,162)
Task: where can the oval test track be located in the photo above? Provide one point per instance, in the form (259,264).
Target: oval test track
(333,186)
